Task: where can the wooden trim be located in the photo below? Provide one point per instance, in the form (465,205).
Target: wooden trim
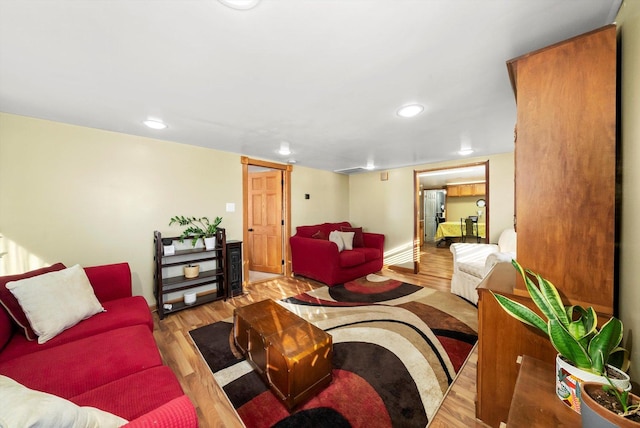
(286,210)
(400,269)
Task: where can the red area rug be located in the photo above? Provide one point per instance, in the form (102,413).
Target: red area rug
(397,348)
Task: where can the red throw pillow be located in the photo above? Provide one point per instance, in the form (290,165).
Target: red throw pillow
(11,304)
(358,237)
(320,235)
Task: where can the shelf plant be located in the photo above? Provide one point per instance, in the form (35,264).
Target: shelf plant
(197,227)
(573,332)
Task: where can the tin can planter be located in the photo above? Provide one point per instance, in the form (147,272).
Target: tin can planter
(569,378)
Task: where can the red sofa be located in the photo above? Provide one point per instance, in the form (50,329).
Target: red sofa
(109,361)
(314,256)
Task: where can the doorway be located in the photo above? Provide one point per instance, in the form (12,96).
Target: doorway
(266,188)
(439,199)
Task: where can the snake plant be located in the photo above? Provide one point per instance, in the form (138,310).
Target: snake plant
(573,330)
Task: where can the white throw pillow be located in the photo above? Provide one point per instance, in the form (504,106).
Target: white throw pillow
(347,238)
(23,407)
(336,236)
(55,301)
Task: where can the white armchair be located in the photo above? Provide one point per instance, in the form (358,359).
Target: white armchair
(472,262)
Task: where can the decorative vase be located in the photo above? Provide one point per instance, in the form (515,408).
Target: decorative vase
(210,243)
(191,271)
(569,378)
(594,415)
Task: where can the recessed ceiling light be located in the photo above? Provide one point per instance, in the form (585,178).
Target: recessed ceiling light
(240,4)
(155,124)
(410,110)
(284,149)
(465,152)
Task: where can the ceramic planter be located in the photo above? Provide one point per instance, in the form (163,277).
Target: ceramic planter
(595,416)
(569,378)
(210,243)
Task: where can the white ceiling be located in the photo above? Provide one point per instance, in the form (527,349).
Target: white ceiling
(327,76)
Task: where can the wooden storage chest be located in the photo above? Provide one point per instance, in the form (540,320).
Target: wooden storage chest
(293,356)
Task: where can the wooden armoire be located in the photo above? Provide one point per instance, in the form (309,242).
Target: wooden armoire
(565,185)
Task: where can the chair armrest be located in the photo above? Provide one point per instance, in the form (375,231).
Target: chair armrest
(177,413)
(373,240)
(110,282)
(498,257)
(468,253)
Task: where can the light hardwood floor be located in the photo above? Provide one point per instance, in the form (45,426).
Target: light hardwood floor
(179,352)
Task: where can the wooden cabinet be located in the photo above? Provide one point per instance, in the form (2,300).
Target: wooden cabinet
(171,284)
(502,339)
(565,159)
(234,268)
(565,181)
(471,189)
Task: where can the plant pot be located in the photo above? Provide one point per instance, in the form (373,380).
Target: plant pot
(210,243)
(191,271)
(594,415)
(569,378)
(189,298)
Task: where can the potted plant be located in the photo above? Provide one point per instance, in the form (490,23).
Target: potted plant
(198,228)
(608,406)
(585,353)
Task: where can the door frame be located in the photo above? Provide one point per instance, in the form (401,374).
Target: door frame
(286,211)
(416,205)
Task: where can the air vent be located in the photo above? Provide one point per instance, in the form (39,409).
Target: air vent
(349,171)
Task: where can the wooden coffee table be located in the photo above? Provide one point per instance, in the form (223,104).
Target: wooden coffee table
(293,356)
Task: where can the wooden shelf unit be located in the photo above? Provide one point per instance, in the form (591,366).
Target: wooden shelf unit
(165,285)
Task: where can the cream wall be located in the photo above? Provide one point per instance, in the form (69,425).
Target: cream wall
(81,195)
(458,207)
(629,31)
(328,197)
(87,196)
(387,206)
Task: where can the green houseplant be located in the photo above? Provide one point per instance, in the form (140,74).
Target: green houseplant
(573,332)
(606,405)
(197,228)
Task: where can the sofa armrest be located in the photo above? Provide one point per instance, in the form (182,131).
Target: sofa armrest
(374,240)
(177,413)
(110,282)
(308,253)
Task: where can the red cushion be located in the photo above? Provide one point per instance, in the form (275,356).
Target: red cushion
(177,413)
(320,235)
(119,313)
(133,395)
(368,253)
(11,304)
(351,258)
(325,228)
(110,282)
(6,328)
(76,367)
(358,237)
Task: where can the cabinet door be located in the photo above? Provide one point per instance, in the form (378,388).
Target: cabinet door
(566,166)
(453,190)
(466,190)
(479,189)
